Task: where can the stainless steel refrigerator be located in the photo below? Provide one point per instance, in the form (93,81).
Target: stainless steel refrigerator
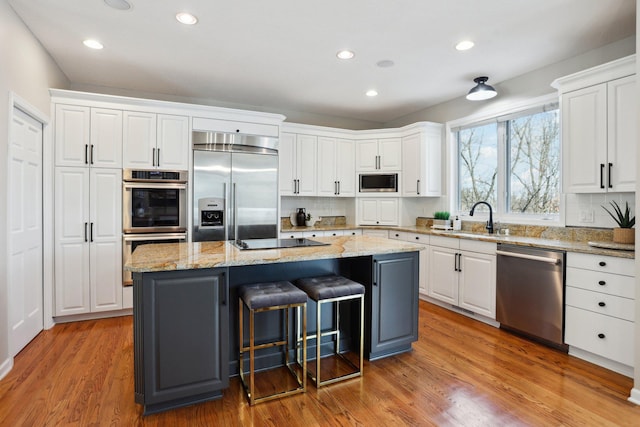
(235,187)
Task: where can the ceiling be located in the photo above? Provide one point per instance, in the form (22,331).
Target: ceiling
(281,55)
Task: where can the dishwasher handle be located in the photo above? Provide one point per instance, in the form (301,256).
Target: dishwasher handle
(529,257)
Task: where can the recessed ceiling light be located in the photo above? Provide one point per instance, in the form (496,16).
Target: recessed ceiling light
(372,93)
(345,54)
(118,4)
(93,44)
(465,45)
(186,18)
(385,63)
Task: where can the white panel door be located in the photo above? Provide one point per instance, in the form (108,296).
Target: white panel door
(72,135)
(25,243)
(367,155)
(106,239)
(71,252)
(327,181)
(306,146)
(106,138)
(287,164)
(388,211)
(368,211)
(443,278)
(139,140)
(390,152)
(346,167)
(477,288)
(173,142)
(622,138)
(411,169)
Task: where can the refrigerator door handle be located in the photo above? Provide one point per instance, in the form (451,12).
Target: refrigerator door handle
(226,213)
(235,213)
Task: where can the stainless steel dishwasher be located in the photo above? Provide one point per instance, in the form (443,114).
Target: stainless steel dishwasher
(530,292)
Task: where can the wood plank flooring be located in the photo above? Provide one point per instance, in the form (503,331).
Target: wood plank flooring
(460,373)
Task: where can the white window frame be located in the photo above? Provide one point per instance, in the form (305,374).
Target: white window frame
(498,113)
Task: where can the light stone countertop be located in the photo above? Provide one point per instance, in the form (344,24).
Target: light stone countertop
(565,245)
(189,256)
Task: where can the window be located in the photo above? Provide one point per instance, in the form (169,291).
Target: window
(512,162)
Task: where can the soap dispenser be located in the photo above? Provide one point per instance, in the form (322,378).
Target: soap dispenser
(457,224)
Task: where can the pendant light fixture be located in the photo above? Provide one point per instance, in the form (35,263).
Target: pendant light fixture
(481,90)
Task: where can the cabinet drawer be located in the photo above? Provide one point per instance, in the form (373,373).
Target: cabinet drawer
(622,308)
(375,233)
(353,232)
(313,234)
(417,238)
(608,283)
(445,242)
(478,246)
(601,263)
(334,233)
(584,329)
(292,235)
(397,235)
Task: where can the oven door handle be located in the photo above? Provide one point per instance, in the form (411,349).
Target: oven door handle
(155,185)
(529,257)
(154,236)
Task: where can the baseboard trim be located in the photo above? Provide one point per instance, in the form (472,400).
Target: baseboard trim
(6,367)
(635,396)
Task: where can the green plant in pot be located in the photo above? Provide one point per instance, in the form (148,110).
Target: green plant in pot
(624,233)
(441,219)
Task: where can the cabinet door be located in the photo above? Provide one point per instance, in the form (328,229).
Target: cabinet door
(431,167)
(173,142)
(306,151)
(106,138)
(411,169)
(182,319)
(71,253)
(106,239)
(443,278)
(345,167)
(477,283)
(390,152)
(584,135)
(394,303)
(368,211)
(72,135)
(139,140)
(388,212)
(367,155)
(287,164)
(326,164)
(622,134)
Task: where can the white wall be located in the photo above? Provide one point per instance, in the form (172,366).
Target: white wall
(28,71)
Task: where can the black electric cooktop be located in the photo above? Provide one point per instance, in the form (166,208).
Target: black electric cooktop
(252,244)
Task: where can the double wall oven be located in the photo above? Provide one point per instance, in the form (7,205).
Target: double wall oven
(154,210)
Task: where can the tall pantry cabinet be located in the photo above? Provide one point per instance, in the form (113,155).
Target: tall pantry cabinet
(88,206)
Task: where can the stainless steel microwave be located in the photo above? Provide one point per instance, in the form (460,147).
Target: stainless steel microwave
(378,182)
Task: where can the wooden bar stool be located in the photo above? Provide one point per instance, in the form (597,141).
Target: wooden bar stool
(260,298)
(328,290)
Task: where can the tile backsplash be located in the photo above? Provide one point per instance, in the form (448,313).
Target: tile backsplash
(585,210)
(320,206)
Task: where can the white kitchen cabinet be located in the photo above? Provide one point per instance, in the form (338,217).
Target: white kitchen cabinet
(235,126)
(297,164)
(155,141)
(371,211)
(422,239)
(463,273)
(336,167)
(88,137)
(88,240)
(600,310)
(599,134)
(375,233)
(421,162)
(379,155)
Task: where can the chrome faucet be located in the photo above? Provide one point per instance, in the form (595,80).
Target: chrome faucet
(489,226)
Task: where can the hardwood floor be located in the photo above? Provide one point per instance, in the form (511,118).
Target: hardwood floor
(460,373)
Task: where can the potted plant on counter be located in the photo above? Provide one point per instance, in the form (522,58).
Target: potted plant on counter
(625,233)
(441,220)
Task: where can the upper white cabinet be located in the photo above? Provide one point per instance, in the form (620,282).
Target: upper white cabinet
(379,154)
(88,137)
(372,211)
(156,141)
(421,162)
(336,167)
(598,115)
(297,161)
(234,126)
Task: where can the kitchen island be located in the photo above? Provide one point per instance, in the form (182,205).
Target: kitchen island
(185,308)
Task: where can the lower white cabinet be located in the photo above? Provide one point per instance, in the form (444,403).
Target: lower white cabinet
(463,273)
(375,233)
(378,211)
(422,239)
(600,309)
(88,240)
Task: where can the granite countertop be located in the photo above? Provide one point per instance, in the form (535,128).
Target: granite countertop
(189,256)
(557,244)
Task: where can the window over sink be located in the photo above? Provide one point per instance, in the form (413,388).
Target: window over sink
(513,162)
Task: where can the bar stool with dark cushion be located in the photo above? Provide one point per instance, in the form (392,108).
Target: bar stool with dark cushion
(327,290)
(260,298)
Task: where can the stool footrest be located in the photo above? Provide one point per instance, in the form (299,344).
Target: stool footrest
(265,345)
